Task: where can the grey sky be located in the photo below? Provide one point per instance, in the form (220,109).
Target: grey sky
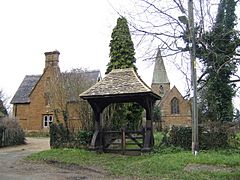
(80,30)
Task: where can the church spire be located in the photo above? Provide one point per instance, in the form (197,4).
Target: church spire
(160,81)
(159,73)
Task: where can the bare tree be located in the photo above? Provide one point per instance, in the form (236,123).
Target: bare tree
(3,104)
(164,23)
(63,96)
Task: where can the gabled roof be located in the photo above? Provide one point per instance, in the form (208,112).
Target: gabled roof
(88,79)
(30,81)
(159,72)
(170,92)
(118,82)
(25,89)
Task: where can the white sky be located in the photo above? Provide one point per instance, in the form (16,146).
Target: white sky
(80,30)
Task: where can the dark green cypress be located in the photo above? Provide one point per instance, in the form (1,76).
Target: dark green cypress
(122,53)
(121,47)
(216,53)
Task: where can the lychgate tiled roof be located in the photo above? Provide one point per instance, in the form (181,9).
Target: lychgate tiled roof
(118,82)
(25,89)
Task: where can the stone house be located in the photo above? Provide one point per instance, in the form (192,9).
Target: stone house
(33,104)
(174,109)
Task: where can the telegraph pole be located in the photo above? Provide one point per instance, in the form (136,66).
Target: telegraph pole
(192,46)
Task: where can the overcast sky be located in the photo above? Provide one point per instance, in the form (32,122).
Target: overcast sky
(79,30)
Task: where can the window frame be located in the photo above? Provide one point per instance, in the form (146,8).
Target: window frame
(175,106)
(47,120)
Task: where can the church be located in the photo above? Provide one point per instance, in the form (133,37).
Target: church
(174,109)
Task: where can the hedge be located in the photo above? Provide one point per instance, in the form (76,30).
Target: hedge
(11,133)
(60,137)
(208,138)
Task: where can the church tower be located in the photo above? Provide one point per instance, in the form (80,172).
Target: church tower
(160,82)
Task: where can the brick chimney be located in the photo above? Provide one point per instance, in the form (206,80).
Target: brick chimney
(52,59)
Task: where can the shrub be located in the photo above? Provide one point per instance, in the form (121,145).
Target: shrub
(10,132)
(234,141)
(209,138)
(84,137)
(61,138)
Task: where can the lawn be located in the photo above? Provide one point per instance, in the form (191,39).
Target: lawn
(174,165)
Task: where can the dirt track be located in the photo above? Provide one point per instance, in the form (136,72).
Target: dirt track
(12,165)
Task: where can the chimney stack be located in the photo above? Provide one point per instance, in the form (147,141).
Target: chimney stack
(52,59)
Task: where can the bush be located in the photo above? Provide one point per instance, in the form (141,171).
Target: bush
(11,133)
(60,137)
(234,141)
(84,137)
(209,138)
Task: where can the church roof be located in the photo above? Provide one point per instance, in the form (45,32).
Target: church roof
(118,82)
(159,73)
(30,81)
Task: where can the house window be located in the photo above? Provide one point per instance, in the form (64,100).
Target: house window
(174,106)
(47,120)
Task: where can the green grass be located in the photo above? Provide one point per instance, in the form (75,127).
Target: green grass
(147,166)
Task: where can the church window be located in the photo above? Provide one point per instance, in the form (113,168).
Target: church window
(161,89)
(174,106)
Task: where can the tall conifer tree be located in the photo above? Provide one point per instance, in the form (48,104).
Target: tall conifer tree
(121,47)
(122,56)
(216,50)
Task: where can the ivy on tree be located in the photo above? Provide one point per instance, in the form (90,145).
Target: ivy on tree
(216,50)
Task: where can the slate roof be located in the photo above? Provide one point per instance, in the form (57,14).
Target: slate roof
(88,79)
(24,90)
(30,81)
(159,73)
(118,82)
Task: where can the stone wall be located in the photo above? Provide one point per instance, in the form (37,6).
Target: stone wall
(169,119)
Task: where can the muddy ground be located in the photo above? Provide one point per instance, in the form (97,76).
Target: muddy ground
(13,166)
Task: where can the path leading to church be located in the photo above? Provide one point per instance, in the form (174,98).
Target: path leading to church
(12,165)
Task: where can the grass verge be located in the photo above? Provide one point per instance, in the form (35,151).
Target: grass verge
(222,164)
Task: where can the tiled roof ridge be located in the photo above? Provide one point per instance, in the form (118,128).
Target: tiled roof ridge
(117,82)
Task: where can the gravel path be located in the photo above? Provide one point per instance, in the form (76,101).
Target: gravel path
(12,165)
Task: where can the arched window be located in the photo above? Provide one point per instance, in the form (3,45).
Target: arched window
(161,89)
(174,106)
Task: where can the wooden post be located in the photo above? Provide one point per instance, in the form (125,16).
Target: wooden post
(148,139)
(97,139)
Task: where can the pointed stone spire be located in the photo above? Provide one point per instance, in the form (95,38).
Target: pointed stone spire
(160,81)
(159,73)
